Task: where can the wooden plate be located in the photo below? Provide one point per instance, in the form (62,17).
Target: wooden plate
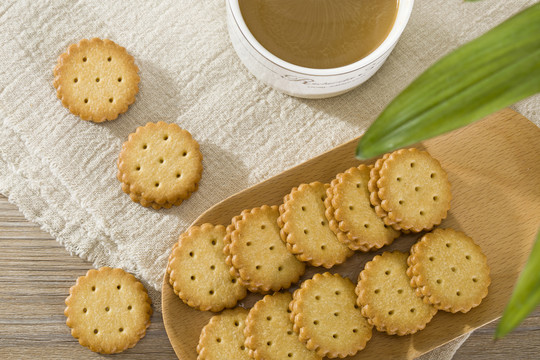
(494,168)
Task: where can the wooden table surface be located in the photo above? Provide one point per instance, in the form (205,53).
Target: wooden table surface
(36,273)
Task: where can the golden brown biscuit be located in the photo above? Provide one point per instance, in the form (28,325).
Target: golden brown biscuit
(223,337)
(160,165)
(305,229)
(198,273)
(449,270)
(258,254)
(327,318)
(387,299)
(269,331)
(108,310)
(414,190)
(351,215)
(96,79)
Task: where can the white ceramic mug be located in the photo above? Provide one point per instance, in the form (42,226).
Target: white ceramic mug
(307,82)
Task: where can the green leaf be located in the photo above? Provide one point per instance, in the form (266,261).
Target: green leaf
(487,74)
(526,295)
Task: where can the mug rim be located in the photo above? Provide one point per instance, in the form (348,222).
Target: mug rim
(402,18)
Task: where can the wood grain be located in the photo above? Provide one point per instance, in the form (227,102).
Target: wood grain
(494,167)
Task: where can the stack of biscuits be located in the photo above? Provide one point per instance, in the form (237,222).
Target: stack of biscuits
(266,250)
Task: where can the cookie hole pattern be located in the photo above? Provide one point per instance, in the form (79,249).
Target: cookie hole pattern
(93,288)
(118,287)
(268,318)
(184,154)
(161,160)
(178,175)
(317,297)
(109,59)
(336,314)
(166,137)
(138,168)
(242,347)
(323,247)
(191,253)
(75,80)
(432,175)
(316,322)
(351,207)
(422,213)
(213,242)
(236,323)
(366,226)
(391,312)
(355,330)
(303,208)
(435,198)
(280,268)
(356,306)
(145,146)
(86,101)
(120,79)
(377,291)
(289,332)
(268,343)
(387,272)
(258,267)
(84,59)
(398,179)
(474,279)
(431,258)
(130,307)
(84,310)
(412,310)
(263,227)
(211,292)
(192,277)
(218,340)
(468,257)
(439,281)
(335,336)
(400,202)
(96,331)
(337,292)
(323,223)
(448,245)
(416,188)
(107,308)
(289,311)
(305,231)
(233,281)
(358,186)
(400,291)
(111,100)
(271,247)
(412,164)
(458,293)
(248,243)
(156,184)
(121,329)
(213,267)
(290,355)
(97,79)
(453,269)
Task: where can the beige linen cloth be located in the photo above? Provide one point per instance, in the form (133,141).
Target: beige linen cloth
(61,171)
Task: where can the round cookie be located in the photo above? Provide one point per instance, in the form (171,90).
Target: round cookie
(198,273)
(223,337)
(305,229)
(413,190)
(108,310)
(258,254)
(269,331)
(449,270)
(386,298)
(96,79)
(351,214)
(327,318)
(160,165)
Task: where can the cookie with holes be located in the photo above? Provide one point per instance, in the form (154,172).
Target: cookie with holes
(108,310)
(223,337)
(305,230)
(447,269)
(413,190)
(96,79)
(160,165)
(327,318)
(269,331)
(351,215)
(257,253)
(386,298)
(198,273)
